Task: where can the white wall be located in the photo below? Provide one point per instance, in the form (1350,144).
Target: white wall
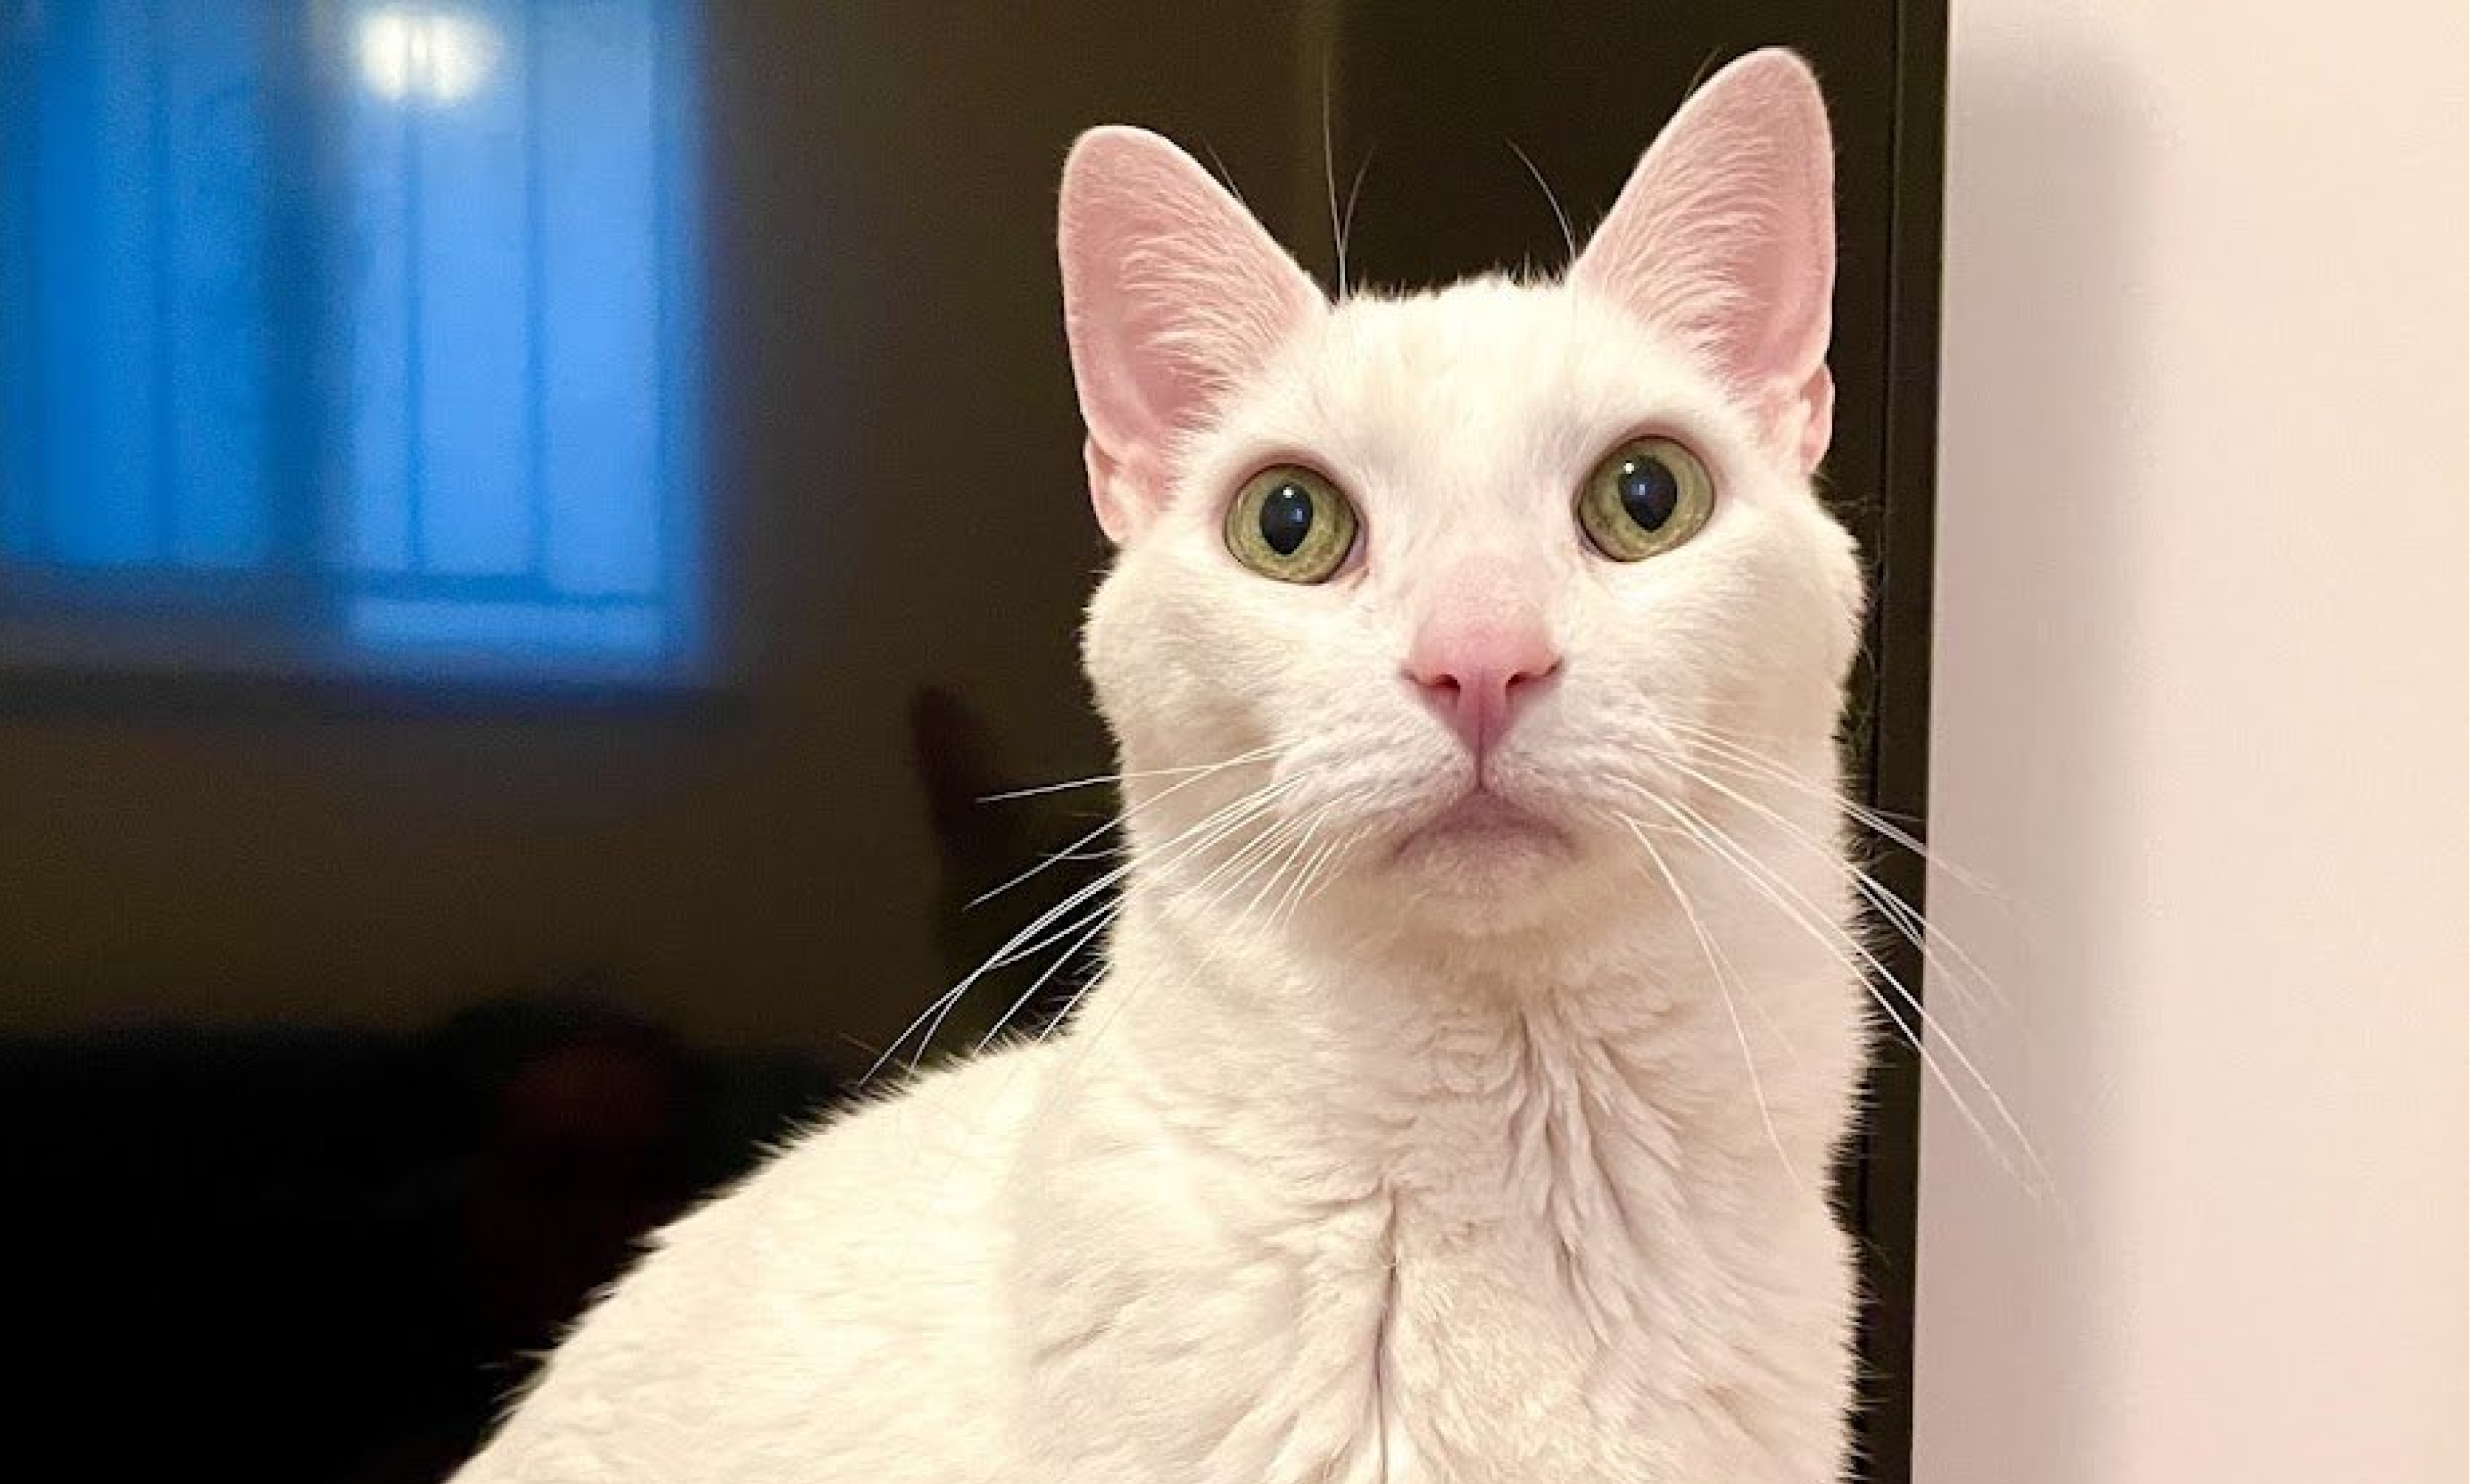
(2200,712)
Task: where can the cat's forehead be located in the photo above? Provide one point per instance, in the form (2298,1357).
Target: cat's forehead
(1486,368)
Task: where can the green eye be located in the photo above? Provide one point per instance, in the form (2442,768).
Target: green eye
(1292,524)
(1645,498)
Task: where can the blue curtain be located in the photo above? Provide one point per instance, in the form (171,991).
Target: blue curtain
(367,323)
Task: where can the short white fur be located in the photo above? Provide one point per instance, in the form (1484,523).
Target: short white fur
(1378,1154)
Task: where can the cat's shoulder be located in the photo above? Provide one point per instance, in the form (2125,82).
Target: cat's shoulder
(856,1269)
(892,1180)
(921,1141)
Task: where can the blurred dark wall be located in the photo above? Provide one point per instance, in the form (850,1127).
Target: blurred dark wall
(898,492)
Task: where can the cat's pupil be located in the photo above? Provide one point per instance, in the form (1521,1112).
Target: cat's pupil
(1285,519)
(1647,489)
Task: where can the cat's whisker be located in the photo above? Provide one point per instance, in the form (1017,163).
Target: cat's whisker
(1326,873)
(1072,852)
(1760,750)
(943,1005)
(1563,223)
(1066,1013)
(1257,851)
(1311,879)
(1074,1003)
(1221,167)
(1727,999)
(1960,971)
(1098,779)
(1332,202)
(1034,950)
(1172,856)
(1227,818)
(1098,926)
(1245,860)
(1915,1039)
(1740,749)
(1242,863)
(1268,844)
(1349,211)
(1800,911)
(1753,767)
(1261,848)
(1722,748)
(1193,776)
(1903,919)
(1298,843)
(1806,915)
(1309,851)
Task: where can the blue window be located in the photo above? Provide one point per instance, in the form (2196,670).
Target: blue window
(349,336)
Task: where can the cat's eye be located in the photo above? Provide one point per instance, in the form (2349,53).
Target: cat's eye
(1645,498)
(1291,524)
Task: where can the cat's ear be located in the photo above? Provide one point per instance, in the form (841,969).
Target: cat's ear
(1723,238)
(1174,293)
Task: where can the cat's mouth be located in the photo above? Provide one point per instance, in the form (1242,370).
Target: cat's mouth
(1483,824)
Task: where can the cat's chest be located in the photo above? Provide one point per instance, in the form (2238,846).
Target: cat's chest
(1512,1349)
(1529,1302)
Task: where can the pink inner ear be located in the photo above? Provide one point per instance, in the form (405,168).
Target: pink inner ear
(1724,239)
(1174,294)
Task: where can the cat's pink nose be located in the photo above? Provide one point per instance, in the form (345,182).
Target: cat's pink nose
(1475,675)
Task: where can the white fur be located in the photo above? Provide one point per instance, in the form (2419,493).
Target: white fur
(1452,1168)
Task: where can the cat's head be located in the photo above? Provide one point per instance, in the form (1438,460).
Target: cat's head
(1455,573)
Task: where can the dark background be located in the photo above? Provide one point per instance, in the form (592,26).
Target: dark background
(351,1033)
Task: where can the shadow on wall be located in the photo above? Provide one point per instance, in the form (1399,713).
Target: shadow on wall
(2039,374)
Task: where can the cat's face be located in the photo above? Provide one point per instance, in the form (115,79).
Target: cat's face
(1458,575)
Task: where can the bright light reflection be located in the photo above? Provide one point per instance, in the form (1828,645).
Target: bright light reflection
(434,56)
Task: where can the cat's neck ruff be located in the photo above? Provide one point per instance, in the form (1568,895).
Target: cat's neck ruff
(1357,1052)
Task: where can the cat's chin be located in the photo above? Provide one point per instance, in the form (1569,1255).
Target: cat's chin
(1478,847)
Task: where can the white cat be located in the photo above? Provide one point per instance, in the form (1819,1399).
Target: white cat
(1459,1100)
